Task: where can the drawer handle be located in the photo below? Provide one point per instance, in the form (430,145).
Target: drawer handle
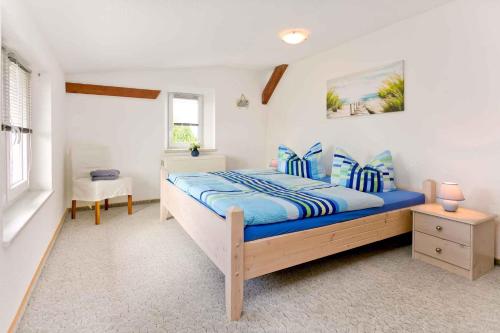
(439,228)
(438,250)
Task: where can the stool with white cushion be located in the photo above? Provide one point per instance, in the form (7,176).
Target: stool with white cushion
(87,158)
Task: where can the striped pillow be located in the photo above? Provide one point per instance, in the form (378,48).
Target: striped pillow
(308,167)
(376,176)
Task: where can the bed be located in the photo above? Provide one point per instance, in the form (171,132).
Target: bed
(245,252)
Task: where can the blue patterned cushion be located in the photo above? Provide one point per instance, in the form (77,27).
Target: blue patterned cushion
(308,167)
(376,176)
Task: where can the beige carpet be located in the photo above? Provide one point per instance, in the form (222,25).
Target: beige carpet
(137,274)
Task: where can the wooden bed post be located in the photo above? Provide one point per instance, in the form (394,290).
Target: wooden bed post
(234,263)
(164,213)
(429,187)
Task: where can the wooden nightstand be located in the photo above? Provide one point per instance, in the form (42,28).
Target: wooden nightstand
(462,242)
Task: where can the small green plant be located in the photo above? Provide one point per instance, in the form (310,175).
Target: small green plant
(333,101)
(194,146)
(392,93)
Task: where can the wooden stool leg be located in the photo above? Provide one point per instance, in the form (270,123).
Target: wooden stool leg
(129,205)
(106,204)
(97,212)
(73,209)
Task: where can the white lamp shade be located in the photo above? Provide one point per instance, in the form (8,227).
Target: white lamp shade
(450,191)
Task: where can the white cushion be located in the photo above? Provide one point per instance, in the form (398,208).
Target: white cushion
(85,189)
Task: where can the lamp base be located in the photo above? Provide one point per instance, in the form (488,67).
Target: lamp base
(450,205)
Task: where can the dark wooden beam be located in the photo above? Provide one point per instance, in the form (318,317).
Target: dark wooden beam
(93,89)
(273,82)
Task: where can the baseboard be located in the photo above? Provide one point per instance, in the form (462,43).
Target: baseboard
(119,204)
(34,279)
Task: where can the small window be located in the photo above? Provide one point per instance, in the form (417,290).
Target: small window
(185,119)
(16,123)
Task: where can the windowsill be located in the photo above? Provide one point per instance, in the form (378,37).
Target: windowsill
(185,150)
(19,213)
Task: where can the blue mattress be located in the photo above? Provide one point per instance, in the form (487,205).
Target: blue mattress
(392,200)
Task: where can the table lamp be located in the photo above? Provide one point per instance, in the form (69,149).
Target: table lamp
(273,164)
(450,194)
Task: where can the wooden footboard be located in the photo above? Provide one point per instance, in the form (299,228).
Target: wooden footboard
(222,239)
(205,227)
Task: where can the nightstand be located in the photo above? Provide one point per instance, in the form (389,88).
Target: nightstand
(462,242)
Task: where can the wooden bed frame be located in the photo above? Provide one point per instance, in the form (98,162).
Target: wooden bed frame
(222,239)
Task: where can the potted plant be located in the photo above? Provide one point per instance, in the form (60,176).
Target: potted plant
(193,147)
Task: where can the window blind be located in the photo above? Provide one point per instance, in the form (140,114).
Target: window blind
(187,97)
(16,94)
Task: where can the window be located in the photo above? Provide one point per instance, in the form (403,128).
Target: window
(185,119)
(16,123)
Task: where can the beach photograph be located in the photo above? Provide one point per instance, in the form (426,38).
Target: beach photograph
(374,91)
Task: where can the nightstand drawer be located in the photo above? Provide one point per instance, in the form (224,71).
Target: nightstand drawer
(443,228)
(441,249)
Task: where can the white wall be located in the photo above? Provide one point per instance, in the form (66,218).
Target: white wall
(449,130)
(135,128)
(19,260)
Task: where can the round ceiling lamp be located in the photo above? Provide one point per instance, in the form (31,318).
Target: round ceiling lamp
(294,36)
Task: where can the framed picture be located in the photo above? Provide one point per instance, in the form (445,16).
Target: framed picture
(375,91)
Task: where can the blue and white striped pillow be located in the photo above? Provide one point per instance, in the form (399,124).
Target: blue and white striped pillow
(308,167)
(376,176)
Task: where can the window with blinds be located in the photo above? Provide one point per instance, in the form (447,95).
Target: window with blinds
(185,119)
(16,122)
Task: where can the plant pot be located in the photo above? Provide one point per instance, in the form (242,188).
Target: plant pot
(195,152)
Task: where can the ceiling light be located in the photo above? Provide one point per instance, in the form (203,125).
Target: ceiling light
(294,36)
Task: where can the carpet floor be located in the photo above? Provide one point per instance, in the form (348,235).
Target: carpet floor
(139,274)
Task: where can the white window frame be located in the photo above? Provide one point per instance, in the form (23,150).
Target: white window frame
(14,191)
(170,125)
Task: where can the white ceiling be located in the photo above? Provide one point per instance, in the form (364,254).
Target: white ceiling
(103,35)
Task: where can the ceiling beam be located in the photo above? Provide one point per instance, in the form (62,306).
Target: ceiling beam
(273,82)
(93,89)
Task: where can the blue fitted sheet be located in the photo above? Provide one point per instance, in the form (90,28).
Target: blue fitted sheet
(392,200)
